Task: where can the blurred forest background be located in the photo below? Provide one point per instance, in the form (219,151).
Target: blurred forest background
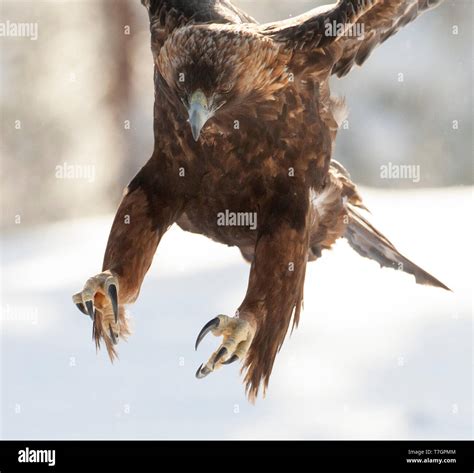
(82,94)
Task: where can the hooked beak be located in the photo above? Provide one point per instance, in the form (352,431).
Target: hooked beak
(199,113)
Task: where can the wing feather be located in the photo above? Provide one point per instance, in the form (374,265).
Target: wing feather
(370,243)
(372,21)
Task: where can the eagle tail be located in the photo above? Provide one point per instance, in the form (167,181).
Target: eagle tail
(370,243)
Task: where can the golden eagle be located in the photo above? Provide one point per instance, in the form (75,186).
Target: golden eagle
(244,127)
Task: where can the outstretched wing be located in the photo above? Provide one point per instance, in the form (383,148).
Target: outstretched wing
(344,34)
(167,15)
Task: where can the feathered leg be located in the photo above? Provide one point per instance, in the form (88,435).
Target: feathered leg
(274,296)
(140,222)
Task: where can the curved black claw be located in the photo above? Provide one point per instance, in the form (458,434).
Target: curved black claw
(81,307)
(214,323)
(94,328)
(114,299)
(222,352)
(90,309)
(202,372)
(112,335)
(231,360)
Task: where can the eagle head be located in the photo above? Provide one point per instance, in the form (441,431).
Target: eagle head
(220,71)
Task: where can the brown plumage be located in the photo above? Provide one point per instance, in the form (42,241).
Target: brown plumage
(258,146)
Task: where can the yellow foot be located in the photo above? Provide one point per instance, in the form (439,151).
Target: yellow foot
(237,337)
(99,299)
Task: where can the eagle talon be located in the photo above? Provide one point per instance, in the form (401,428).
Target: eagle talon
(112,292)
(222,352)
(211,325)
(100,300)
(238,334)
(231,360)
(202,371)
(81,307)
(90,309)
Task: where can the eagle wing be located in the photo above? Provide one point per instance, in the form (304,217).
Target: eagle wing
(168,15)
(361,25)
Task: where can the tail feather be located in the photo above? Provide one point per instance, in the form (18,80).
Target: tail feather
(370,243)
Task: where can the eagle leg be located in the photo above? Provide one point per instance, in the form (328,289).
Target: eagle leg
(141,220)
(237,336)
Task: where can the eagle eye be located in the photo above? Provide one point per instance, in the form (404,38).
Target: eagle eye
(226,88)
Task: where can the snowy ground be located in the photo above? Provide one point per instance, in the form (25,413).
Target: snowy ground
(375,356)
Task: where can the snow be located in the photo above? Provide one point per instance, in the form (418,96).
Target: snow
(375,357)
